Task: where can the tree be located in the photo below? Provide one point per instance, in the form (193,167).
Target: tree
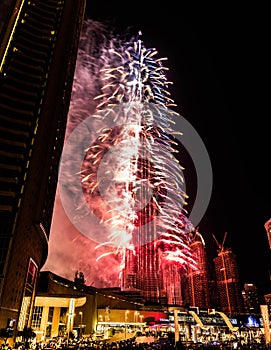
(79,280)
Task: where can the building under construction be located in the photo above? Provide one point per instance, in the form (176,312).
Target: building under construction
(227,280)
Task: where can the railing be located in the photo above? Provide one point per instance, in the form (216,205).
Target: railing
(228,322)
(196,317)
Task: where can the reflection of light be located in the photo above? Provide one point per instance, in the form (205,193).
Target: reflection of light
(70,316)
(81,323)
(141,317)
(126,315)
(136,316)
(252,322)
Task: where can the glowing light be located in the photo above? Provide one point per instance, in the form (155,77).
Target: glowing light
(121,184)
(130,169)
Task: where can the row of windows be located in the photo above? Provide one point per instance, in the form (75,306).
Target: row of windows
(37,316)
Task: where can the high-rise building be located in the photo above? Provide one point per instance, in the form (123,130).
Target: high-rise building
(251,299)
(227,279)
(267,299)
(172,284)
(38,51)
(148,272)
(267,226)
(148,180)
(198,279)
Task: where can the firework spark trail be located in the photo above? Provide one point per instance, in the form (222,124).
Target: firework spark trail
(137,82)
(121,82)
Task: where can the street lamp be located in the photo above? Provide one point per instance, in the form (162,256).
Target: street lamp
(81,324)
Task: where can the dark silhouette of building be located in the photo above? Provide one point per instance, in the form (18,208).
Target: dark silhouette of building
(267,227)
(39,43)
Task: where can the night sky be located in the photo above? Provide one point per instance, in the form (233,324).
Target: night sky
(218,63)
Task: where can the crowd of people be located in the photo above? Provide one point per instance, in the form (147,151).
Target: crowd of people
(137,341)
(132,344)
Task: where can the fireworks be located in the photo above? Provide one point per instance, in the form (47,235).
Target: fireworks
(137,76)
(130,169)
(120,182)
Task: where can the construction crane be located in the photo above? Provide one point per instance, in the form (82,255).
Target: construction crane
(220,245)
(221,252)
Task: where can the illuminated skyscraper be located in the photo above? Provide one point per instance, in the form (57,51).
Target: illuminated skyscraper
(172,284)
(38,53)
(251,299)
(199,279)
(147,221)
(227,279)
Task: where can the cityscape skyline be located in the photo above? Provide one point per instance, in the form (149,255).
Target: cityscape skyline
(27,204)
(220,224)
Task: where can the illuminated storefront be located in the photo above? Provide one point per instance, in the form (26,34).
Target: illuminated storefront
(54,316)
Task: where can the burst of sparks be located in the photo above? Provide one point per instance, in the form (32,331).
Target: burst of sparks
(141,180)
